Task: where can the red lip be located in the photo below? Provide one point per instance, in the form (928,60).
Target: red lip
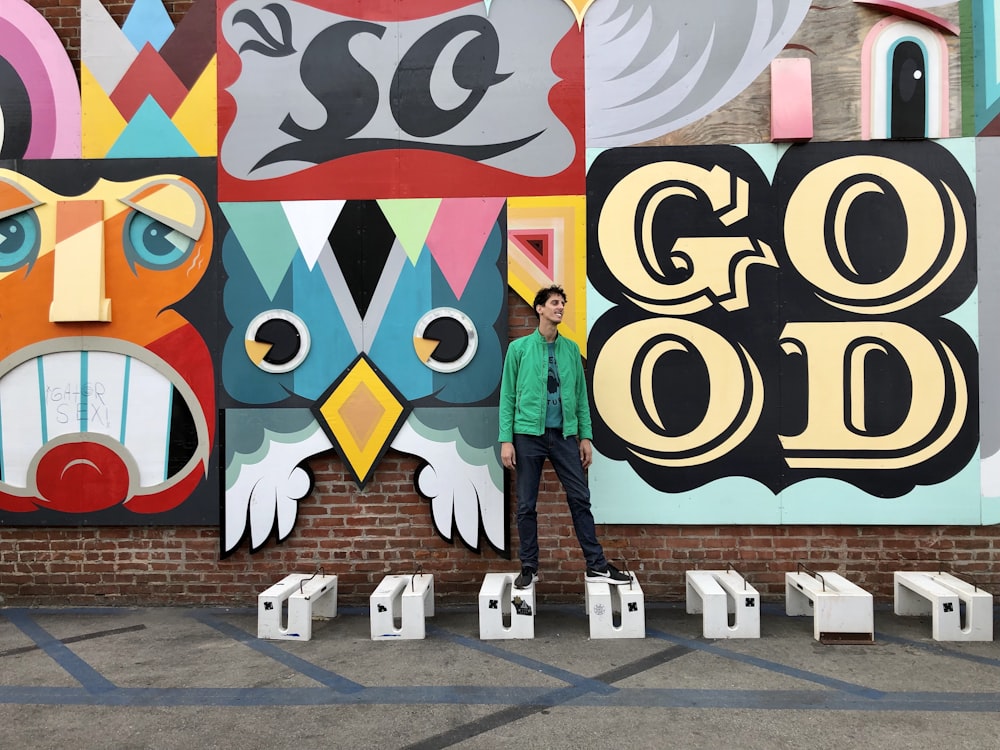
(81,477)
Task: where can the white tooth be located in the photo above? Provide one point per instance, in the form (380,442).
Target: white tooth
(20,421)
(147,421)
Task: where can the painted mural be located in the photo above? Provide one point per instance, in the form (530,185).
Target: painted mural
(148,88)
(39,94)
(107,384)
(378,323)
(392,100)
(272,230)
(793,323)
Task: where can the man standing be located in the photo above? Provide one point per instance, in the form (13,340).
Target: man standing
(545,414)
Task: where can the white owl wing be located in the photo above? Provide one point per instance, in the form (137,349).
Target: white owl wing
(464,483)
(263,487)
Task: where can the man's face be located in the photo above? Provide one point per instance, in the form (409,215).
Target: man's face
(552,310)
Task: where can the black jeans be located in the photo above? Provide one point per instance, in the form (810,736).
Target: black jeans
(530,452)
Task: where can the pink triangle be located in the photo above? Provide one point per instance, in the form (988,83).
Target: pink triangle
(458,234)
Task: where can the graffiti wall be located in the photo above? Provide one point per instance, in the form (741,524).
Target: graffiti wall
(268,231)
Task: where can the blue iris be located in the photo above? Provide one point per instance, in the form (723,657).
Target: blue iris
(153,244)
(19,240)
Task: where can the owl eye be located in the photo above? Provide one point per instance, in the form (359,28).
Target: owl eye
(445,339)
(19,240)
(153,244)
(277,341)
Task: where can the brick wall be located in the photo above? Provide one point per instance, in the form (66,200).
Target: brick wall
(360,535)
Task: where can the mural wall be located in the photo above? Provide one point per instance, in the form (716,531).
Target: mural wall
(273,230)
(786,335)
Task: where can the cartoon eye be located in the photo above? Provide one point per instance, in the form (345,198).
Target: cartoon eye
(277,341)
(153,244)
(19,240)
(445,339)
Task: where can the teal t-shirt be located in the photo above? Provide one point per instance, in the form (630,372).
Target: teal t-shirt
(553,404)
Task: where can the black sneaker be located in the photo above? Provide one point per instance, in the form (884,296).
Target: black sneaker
(609,574)
(528,576)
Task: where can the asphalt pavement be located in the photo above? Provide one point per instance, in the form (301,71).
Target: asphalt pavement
(162,678)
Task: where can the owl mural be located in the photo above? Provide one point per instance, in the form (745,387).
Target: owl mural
(368,334)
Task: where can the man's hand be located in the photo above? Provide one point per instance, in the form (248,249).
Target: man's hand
(586,453)
(507,457)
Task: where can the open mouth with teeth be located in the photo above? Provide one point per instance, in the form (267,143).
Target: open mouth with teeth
(85,429)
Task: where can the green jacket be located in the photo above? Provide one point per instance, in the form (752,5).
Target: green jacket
(524,386)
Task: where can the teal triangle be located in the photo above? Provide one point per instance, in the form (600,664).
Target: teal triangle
(767,156)
(266,238)
(150,133)
(148,21)
(411,219)
(592,154)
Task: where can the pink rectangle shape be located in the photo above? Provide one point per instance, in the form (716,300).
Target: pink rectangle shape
(791,99)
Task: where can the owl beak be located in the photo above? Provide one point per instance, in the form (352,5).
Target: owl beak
(361,414)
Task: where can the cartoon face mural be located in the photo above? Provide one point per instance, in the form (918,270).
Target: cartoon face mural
(376,323)
(389,99)
(809,327)
(106,392)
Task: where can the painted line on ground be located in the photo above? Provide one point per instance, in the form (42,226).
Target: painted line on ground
(91,680)
(325,677)
(509,715)
(466,695)
(771,666)
(937,647)
(489,647)
(75,639)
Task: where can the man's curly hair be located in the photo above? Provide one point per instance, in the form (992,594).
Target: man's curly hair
(543,296)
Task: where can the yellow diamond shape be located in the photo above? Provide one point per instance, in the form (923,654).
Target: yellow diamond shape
(361,414)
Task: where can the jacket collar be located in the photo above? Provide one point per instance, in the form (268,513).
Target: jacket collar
(539,337)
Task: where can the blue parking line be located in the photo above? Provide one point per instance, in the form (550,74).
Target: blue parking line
(322,676)
(936,648)
(91,680)
(485,647)
(466,695)
(772,666)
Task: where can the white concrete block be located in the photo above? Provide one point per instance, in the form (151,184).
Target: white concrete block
(302,596)
(959,611)
(604,601)
(729,606)
(504,611)
(404,599)
(840,609)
